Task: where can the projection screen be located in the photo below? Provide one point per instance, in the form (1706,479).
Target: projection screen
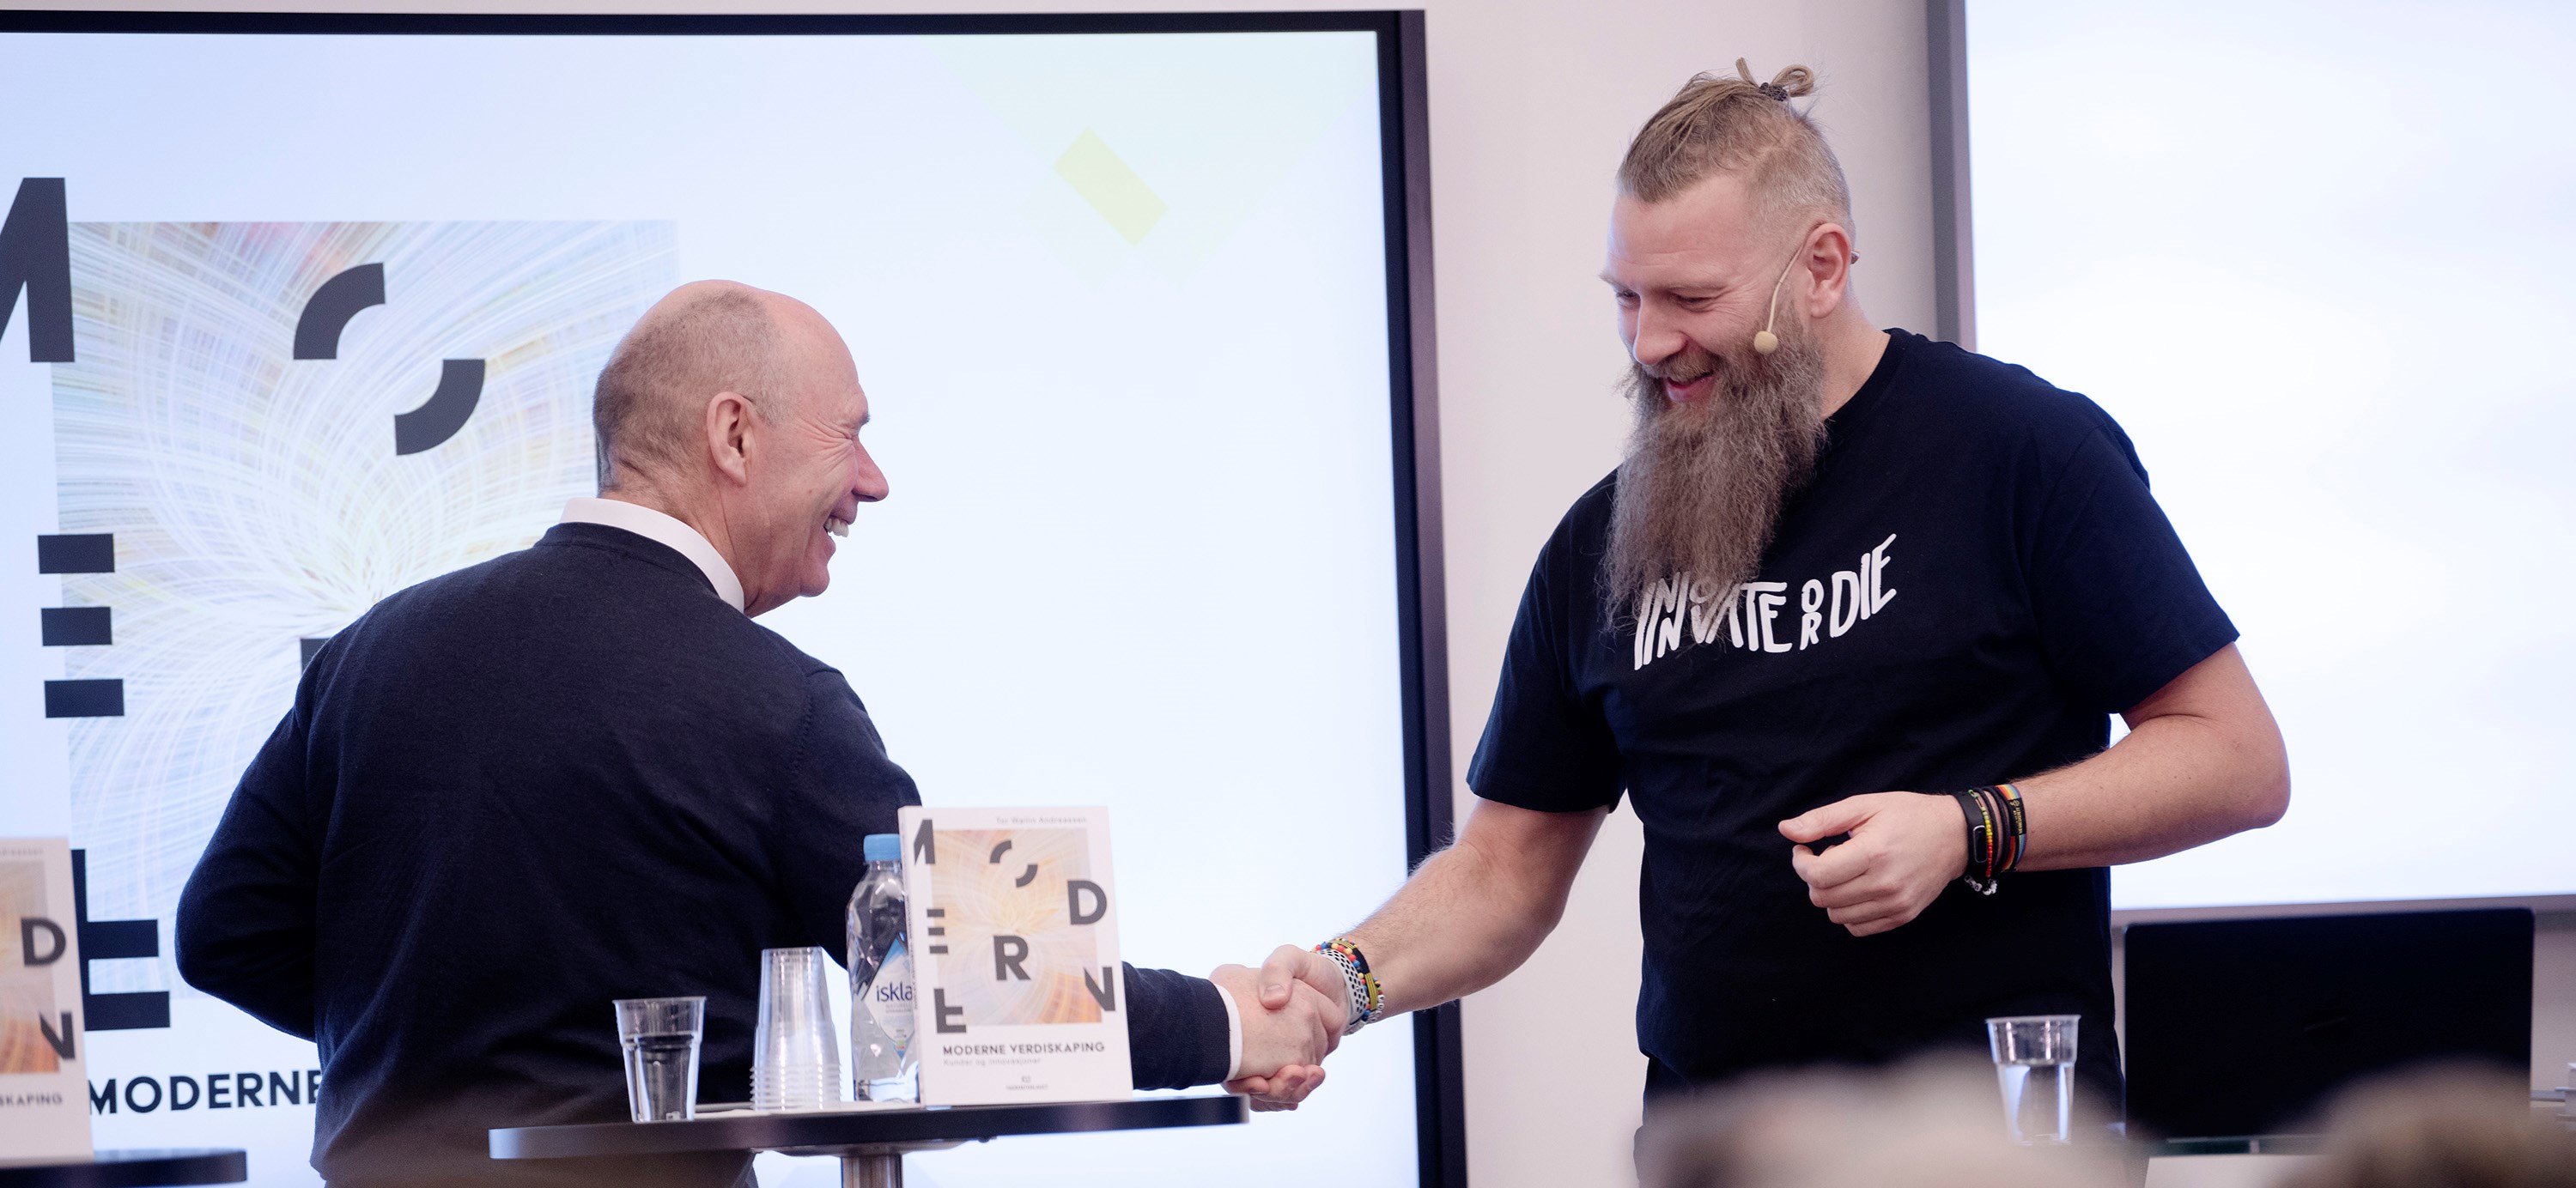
(1134,300)
(2314,257)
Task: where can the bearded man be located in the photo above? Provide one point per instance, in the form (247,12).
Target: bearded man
(1846,627)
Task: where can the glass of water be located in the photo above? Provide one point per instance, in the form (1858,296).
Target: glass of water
(660,1036)
(2035,1060)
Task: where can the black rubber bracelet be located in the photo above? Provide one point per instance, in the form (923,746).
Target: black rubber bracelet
(1981,841)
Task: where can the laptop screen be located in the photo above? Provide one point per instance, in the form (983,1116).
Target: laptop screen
(2246,1027)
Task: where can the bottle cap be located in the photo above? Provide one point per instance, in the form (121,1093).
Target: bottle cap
(884,847)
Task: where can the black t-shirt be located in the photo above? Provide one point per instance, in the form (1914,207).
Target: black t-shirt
(1972,581)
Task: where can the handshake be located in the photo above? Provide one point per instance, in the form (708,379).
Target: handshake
(1294,1010)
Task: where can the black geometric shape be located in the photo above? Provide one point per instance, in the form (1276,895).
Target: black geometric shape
(460,386)
(75,626)
(112,940)
(79,552)
(133,1010)
(309,647)
(327,312)
(36,253)
(85,699)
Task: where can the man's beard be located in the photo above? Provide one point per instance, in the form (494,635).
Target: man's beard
(1701,487)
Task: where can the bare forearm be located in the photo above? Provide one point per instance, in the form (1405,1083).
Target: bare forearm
(2187,774)
(1473,912)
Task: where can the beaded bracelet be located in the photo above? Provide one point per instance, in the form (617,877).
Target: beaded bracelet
(1367,996)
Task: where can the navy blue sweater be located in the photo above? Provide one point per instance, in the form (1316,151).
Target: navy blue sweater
(507,796)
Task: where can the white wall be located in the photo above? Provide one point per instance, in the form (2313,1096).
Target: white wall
(1531,103)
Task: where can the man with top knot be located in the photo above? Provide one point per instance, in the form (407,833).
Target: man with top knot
(1845,628)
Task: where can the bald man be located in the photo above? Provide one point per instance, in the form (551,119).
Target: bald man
(509,795)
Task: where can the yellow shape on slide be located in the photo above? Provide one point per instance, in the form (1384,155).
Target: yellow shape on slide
(1112,189)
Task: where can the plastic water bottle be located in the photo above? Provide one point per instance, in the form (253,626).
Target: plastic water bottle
(881,1052)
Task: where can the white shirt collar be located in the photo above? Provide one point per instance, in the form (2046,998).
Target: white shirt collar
(661,529)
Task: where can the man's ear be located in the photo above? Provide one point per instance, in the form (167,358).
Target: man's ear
(1827,262)
(729,436)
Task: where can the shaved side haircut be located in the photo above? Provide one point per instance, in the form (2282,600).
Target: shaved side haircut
(650,408)
(1716,124)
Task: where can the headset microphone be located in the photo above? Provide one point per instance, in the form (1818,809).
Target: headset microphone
(1764,341)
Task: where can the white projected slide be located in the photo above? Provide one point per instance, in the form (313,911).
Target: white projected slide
(1120,305)
(2316,257)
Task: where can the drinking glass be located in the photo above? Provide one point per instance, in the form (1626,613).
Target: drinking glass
(660,1036)
(795,1052)
(2035,1061)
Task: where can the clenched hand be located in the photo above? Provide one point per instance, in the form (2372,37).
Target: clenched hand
(1904,847)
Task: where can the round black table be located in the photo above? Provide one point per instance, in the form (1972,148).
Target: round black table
(129,1169)
(870,1143)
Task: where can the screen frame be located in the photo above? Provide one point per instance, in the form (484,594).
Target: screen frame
(1955,275)
(1412,380)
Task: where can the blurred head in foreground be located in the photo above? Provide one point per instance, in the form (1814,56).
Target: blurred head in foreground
(2447,1128)
(1932,1125)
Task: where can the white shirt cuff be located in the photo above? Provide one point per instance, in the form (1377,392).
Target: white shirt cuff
(1233,1035)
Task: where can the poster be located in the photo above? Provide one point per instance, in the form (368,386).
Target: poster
(202,483)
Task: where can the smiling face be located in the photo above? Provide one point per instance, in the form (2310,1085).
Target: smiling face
(1723,433)
(808,472)
(1693,277)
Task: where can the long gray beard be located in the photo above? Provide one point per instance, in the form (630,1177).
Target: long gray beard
(1701,487)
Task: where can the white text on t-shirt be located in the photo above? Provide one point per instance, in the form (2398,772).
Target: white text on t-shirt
(1751,614)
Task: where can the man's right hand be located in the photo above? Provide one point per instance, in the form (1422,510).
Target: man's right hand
(1469,915)
(1283,1046)
(1290,967)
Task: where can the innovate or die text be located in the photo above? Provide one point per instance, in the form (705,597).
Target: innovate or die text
(1754,616)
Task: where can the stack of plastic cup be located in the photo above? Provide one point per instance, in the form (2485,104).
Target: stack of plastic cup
(795,1054)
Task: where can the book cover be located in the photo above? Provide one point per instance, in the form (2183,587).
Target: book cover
(1013,925)
(44,1095)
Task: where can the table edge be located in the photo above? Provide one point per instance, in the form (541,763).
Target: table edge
(766,1132)
(139,1166)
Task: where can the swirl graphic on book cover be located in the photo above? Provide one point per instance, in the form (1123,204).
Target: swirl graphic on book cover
(1019,945)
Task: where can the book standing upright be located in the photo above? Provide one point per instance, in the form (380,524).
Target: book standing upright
(1013,921)
(44,1095)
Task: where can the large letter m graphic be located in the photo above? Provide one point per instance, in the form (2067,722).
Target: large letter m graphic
(36,255)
